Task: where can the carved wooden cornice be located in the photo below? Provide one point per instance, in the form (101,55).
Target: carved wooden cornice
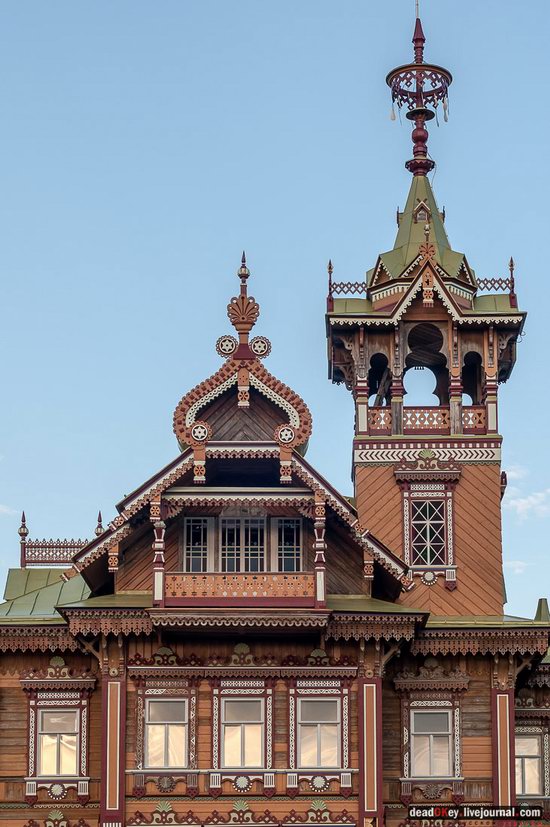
(377,627)
(224,619)
(481,641)
(540,676)
(427,467)
(432,676)
(116,621)
(240,664)
(37,639)
(57,676)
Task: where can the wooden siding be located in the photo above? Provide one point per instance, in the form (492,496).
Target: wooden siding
(477,537)
(228,422)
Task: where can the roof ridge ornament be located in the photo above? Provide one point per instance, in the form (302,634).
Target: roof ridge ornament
(418,86)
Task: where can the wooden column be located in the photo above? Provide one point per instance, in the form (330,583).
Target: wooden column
(159,528)
(320,549)
(113,734)
(370,750)
(503,732)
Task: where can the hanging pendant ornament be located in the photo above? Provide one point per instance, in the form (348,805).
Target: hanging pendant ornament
(420,87)
(392,115)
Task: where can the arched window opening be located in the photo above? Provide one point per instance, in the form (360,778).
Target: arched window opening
(379,379)
(426,373)
(420,388)
(472,378)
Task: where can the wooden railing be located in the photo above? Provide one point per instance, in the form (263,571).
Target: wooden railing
(474,419)
(50,552)
(265,589)
(433,420)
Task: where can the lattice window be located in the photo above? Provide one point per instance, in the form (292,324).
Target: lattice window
(428,534)
(288,540)
(242,544)
(197,544)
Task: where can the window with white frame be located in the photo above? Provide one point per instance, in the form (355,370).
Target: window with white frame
(242,733)
(197,544)
(319,728)
(58,742)
(288,542)
(242,544)
(431,744)
(166,723)
(428,535)
(528,765)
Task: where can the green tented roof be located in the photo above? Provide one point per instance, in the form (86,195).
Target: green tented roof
(34,593)
(370,605)
(410,234)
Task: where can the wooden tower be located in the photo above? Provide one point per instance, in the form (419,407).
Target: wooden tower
(428,479)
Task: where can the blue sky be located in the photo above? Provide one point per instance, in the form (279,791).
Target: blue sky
(144,145)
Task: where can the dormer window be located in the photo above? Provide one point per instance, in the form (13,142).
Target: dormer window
(289,544)
(235,543)
(422,215)
(198,540)
(242,544)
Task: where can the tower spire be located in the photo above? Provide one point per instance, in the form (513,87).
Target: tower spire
(421,87)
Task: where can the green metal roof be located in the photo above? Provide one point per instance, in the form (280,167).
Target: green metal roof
(121,600)
(483,622)
(410,234)
(33,594)
(361,603)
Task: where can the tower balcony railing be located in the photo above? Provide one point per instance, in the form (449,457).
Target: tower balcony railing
(429,420)
(240,589)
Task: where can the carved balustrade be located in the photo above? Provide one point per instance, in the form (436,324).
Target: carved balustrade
(239,589)
(474,419)
(51,552)
(433,420)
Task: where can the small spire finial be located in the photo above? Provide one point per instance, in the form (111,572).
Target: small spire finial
(420,90)
(243,273)
(23,531)
(243,310)
(99,526)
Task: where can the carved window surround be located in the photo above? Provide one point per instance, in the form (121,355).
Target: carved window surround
(537,722)
(154,683)
(429,479)
(432,688)
(58,688)
(319,779)
(242,780)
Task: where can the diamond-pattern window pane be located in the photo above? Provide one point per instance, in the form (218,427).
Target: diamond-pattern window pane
(428,532)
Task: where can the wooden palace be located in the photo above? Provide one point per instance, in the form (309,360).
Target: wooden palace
(244,645)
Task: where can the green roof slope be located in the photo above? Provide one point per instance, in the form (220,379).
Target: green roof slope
(34,594)
(410,234)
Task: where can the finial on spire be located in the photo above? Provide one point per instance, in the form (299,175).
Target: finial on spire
(243,272)
(513,297)
(418,86)
(23,531)
(243,310)
(99,526)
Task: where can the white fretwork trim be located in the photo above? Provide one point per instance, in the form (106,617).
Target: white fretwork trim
(292,413)
(389,456)
(191,414)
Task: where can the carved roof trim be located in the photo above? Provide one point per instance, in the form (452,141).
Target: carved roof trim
(261,379)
